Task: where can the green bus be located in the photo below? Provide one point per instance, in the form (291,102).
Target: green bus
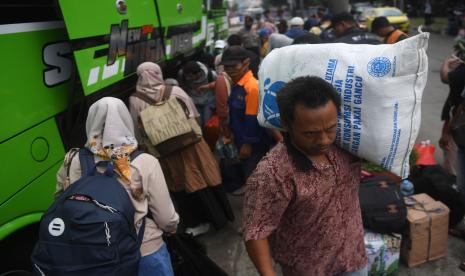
(60,56)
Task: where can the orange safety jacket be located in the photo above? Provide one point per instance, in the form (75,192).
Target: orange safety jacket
(394,36)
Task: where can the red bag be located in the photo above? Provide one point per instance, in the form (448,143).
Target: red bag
(212,131)
(425,153)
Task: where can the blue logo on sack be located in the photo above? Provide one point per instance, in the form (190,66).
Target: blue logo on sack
(270,106)
(379,67)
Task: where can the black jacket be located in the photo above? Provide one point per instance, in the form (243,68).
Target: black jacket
(358,36)
(456,86)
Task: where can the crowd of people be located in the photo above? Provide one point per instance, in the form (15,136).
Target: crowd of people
(265,35)
(299,188)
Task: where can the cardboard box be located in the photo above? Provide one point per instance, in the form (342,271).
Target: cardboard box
(383,253)
(426,238)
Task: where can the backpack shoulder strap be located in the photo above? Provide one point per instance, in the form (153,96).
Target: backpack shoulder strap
(69,158)
(167,92)
(140,235)
(145,98)
(86,158)
(184,108)
(134,154)
(67,163)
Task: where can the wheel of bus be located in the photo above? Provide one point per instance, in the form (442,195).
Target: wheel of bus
(15,251)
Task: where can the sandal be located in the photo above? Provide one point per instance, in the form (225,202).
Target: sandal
(458,233)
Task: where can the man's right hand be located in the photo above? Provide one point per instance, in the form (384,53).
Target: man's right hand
(445,142)
(259,253)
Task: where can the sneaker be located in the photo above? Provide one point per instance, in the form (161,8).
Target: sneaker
(239,192)
(198,230)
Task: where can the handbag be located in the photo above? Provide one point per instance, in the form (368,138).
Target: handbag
(383,207)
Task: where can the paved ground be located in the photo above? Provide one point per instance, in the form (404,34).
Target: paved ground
(226,248)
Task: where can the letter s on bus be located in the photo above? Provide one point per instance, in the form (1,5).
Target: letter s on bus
(59,64)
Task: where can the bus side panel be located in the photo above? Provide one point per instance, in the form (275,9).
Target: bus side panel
(89,18)
(185,25)
(110,41)
(36,197)
(36,68)
(28,156)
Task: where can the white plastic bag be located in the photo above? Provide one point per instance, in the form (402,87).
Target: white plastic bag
(380,87)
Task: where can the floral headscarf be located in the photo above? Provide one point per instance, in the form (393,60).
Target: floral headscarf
(110,134)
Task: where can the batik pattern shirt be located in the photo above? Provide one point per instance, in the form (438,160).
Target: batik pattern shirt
(311,216)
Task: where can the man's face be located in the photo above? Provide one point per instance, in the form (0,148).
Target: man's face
(314,129)
(340,28)
(237,70)
(382,32)
(248,22)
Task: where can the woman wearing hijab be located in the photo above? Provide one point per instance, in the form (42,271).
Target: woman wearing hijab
(264,35)
(192,173)
(110,137)
(193,75)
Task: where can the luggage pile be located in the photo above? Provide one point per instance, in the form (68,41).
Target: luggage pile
(383,253)
(413,228)
(384,217)
(426,238)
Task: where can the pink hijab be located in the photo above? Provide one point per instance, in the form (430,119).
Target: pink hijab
(151,83)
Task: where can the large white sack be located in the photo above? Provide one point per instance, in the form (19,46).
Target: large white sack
(380,86)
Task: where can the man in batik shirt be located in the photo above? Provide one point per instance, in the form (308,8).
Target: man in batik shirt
(301,206)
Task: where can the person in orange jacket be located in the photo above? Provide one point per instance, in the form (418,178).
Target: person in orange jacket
(385,30)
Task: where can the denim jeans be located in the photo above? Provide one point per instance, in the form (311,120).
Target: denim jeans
(157,263)
(361,272)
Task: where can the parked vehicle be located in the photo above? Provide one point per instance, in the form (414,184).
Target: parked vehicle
(395,16)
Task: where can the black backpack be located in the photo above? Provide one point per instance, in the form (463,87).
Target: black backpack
(89,229)
(383,207)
